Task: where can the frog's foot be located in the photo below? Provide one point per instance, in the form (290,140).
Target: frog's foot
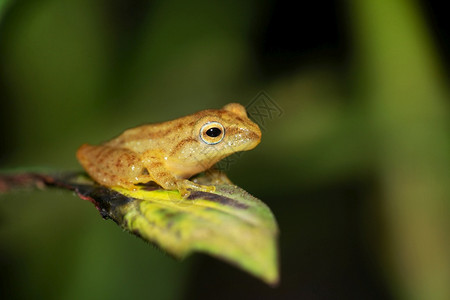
(184,185)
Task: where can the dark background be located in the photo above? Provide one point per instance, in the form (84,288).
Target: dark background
(355,169)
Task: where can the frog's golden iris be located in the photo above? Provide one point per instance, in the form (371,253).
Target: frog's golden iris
(212,133)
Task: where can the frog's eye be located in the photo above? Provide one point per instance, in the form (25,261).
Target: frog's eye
(212,133)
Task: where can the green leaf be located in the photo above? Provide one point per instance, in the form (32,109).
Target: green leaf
(229,224)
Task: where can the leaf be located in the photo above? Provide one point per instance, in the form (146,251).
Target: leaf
(229,224)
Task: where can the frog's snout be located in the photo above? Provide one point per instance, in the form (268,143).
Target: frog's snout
(258,133)
(253,137)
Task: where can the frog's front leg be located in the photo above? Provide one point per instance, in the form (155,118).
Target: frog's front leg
(156,168)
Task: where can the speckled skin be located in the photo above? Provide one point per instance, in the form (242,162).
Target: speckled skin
(169,153)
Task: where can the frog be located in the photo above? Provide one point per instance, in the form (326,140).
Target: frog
(170,153)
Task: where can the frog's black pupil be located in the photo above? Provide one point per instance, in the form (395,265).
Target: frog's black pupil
(213,132)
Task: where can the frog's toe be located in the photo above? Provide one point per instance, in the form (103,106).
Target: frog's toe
(208,188)
(184,192)
(204,188)
(186,184)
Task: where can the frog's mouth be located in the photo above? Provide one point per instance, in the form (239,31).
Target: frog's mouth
(251,138)
(252,144)
(245,143)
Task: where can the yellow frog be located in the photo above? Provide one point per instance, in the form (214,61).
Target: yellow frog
(169,153)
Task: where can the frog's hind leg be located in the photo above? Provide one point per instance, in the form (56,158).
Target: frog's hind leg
(112,166)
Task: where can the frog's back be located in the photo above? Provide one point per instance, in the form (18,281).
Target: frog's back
(161,136)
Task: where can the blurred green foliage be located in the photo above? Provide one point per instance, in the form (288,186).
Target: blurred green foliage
(356,170)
